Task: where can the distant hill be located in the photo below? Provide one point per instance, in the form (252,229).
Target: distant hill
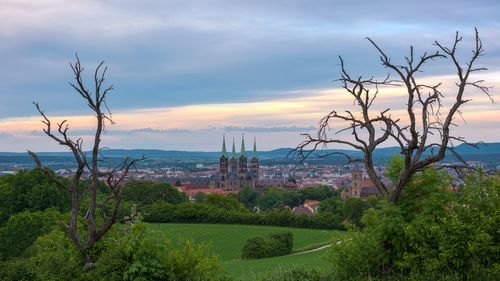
(281,153)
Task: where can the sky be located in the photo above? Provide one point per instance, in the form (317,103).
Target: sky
(187,72)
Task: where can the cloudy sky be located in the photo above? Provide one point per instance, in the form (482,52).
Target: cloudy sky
(185,72)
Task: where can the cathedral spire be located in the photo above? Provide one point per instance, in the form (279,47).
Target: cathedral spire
(255,147)
(224,153)
(243,152)
(233,153)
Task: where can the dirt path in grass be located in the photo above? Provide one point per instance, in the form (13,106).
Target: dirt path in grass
(310,251)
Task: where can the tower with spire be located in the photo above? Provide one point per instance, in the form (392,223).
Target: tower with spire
(223,164)
(234,172)
(255,164)
(243,166)
(233,161)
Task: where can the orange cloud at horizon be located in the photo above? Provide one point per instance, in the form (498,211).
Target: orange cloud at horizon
(306,108)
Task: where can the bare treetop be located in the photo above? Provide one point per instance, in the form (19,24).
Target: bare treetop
(77,187)
(424,135)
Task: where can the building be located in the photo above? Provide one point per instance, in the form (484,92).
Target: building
(235,171)
(361,187)
(309,208)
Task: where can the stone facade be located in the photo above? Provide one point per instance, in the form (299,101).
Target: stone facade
(234,172)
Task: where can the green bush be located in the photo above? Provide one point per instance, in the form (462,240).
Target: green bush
(22,229)
(431,234)
(298,274)
(161,212)
(255,248)
(30,191)
(286,238)
(16,270)
(278,244)
(143,255)
(358,256)
(148,192)
(277,198)
(54,258)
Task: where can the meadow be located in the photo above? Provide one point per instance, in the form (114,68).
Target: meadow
(226,241)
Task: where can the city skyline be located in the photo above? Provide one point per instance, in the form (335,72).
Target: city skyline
(184,74)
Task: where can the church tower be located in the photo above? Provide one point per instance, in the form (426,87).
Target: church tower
(223,164)
(233,162)
(255,164)
(356,182)
(243,168)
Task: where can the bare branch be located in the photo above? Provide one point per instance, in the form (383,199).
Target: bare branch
(412,137)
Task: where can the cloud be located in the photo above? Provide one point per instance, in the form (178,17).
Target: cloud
(276,122)
(209,66)
(169,53)
(270,129)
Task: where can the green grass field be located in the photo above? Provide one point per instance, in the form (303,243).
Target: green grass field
(227,240)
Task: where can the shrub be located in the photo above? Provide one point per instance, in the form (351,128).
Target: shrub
(22,229)
(55,258)
(161,212)
(30,190)
(255,248)
(358,256)
(278,244)
(286,238)
(431,234)
(298,274)
(148,192)
(16,270)
(143,255)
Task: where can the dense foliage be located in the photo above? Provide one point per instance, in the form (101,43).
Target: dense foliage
(126,254)
(148,192)
(22,229)
(349,210)
(278,244)
(30,191)
(224,209)
(298,274)
(431,232)
(278,198)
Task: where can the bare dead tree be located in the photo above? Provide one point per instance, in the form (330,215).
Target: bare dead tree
(78,187)
(424,138)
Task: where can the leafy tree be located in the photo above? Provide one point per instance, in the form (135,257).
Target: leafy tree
(395,167)
(291,198)
(55,258)
(199,197)
(189,261)
(248,196)
(143,255)
(23,228)
(317,193)
(223,202)
(270,198)
(430,234)
(30,190)
(148,192)
(354,209)
(333,205)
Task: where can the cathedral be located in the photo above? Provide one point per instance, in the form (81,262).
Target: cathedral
(235,172)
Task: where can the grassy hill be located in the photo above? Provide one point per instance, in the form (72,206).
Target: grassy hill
(227,240)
